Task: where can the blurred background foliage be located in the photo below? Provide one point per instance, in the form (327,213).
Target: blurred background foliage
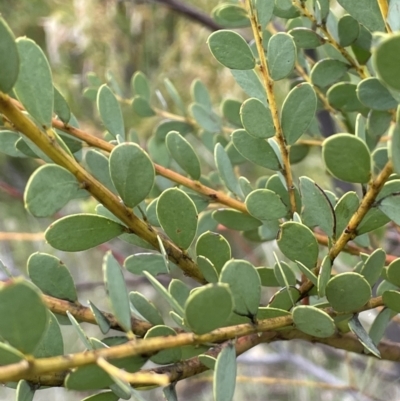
(114,39)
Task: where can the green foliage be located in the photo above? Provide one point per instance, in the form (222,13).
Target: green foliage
(204,171)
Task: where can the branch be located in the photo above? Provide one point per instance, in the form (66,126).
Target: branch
(52,149)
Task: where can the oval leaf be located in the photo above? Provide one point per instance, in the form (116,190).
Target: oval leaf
(313,321)
(265,204)
(257,119)
(281,55)
(9,58)
(214,247)
(225,374)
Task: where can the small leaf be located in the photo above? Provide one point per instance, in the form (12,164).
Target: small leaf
(8,142)
(308,273)
(380,323)
(324,275)
(52,343)
(61,107)
(20,326)
(285,298)
(142,107)
(225,374)
(183,153)
(348,30)
(116,290)
(25,392)
(208,308)
(132,173)
(214,247)
(347,292)
(231,50)
(281,55)
(245,285)
(48,189)
(356,327)
(373,266)
(206,118)
(306,38)
(327,71)
(235,220)
(51,276)
(313,321)
(140,85)
(82,231)
(338,152)
(207,269)
(230,16)
(374,95)
(9,58)
(230,109)
(150,262)
(225,169)
(103,396)
(391,299)
(298,110)
(366,12)
(110,112)
(394,146)
(257,119)
(343,96)
(200,94)
(98,165)
(177,215)
(256,150)
(166,356)
(179,290)
(34,87)
(297,242)
(264,12)
(317,210)
(175,96)
(101,320)
(248,80)
(83,337)
(344,210)
(265,204)
(161,130)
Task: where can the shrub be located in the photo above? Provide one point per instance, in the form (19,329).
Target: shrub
(166,199)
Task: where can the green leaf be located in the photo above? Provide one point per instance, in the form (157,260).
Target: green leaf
(215,248)
(366,12)
(343,96)
(308,273)
(9,58)
(235,220)
(285,9)
(61,107)
(200,94)
(110,112)
(297,243)
(257,119)
(230,109)
(83,337)
(248,80)
(265,204)
(266,312)
(98,165)
(298,111)
(116,289)
(177,215)
(264,10)
(179,290)
(347,292)
(393,15)
(348,30)
(183,153)
(140,262)
(206,118)
(48,189)
(208,308)
(103,396)
(230,16)
(225,169)
(175,96)
(8,142)
(391,299)
(256,150)
(51,276)
(52,343)
(140,85)
(161,131)
(21,326)
(82,231)
(338,152)
(317,210)
(281,55)
(394,146)
(380,323)
(231,50)
(165,294)
(34,86)
(101,319)
(324,275)
(225,374)
(374,95)
(393,272)
(357,329)
(373,266)
(284,274)
(142,107)
(166,356)
(9,354)
(207,269)
(327,71)
(285,298)
(25,392)
(245,285)
(306,38)
(313,321)
(132,173)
